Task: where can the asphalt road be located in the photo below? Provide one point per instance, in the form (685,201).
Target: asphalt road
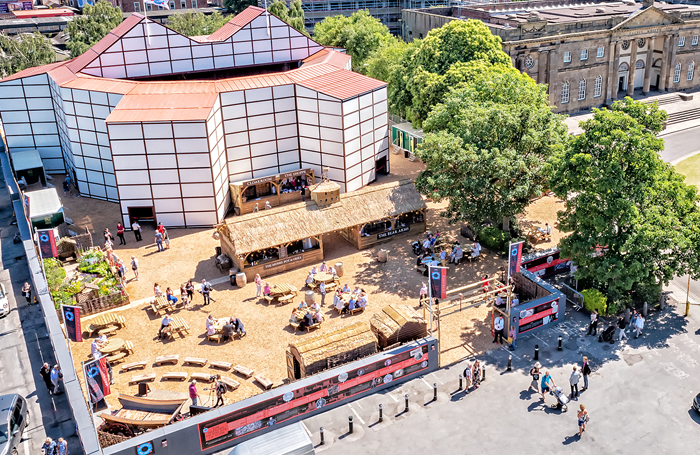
(681,144)
(639,400)
(24,347)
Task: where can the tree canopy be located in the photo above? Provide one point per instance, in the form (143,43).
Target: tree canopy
(621,198)
(24,51)
(385,62)
(239,5)
(448,57)
(192,23)
(293,15)
(360,34)
(485,147)
(94,24)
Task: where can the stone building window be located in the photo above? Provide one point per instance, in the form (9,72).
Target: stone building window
(691,69)
(567,57)
(641,42)
(584,54)
(695,40)
(529,61)
(601,52)
(565,92)
(681,41)
(639,64)
(677,73)
(582,89)
(625,45)
(137,6)
(598,87)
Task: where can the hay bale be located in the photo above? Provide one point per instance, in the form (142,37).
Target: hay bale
(398,323)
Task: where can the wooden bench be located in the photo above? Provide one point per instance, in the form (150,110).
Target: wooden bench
(134,365)
(294,324)
(216,337)
(316,325)
(174,376)
(230,383)
(143,378)
(92,328)
(220,364)
(167,359)
(155,309)
(286,298)
(243,371)
(202,377)
(195,361)
(116,357)
(111,330)
(121,321)
(129,347)
(356,310)
(269,298)
(263,381)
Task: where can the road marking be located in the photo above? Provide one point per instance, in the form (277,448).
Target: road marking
(509,352)
(358,415)
(437,379)
(543,342)
(684,157)
(302,423)
(392,397)
(426,383)
(359,405)
(25,444)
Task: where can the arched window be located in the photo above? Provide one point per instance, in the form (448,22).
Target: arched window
(582,89)
(624,67)
(565,92)
(598,87)
(677,73)
(639,65)
(691,69)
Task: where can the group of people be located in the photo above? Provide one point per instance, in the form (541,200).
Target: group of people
(636,324)
(186,293)
(433,258)
(306,315)
(472,375)
(219,387)
(499,331)
(357,299)
(51,377)
(51,447)
(231,327)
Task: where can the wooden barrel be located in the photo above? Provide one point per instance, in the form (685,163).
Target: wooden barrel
(383,255)
(310,297)
(241,280)
(339,268)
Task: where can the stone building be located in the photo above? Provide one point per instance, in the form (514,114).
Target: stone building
(588,53)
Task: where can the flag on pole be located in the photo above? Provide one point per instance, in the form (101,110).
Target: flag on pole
(163,3)
(71,318)
(516,254)
(97,379)
(47,243)
(438,282)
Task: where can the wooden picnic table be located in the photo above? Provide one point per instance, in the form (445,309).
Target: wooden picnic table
(282,289)
(179,325)
(324,277)
(104,320)
(113,345)
(220,323)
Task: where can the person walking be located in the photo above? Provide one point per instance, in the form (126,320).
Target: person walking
(586,370)
(49,447)
(159,241)
(136,227)
(120,234)
(593,326)
(45,373)
(512,334)
(547,385)
(56,375)
(220,388)
(621,324)
(258,285)
(498,325)
(322,290)
(194,394)
(573,382)
(27,291)
(535,374)
(468,378)
(582,415)
(638,326)
(62,446)
(135,267)
(423,293)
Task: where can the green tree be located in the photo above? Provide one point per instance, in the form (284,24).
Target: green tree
(619,196)
(293,15)
(239,5)
(24,51)
(95,23)
(360,34)
(486,146)
(386,60)
(192,23)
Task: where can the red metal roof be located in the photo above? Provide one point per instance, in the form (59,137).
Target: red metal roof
(330,56)
(34,71)
(343,84)
(163,107)
(235,24)
(55,12)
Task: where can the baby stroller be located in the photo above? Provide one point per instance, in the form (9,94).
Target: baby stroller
(417,249)
(607,335)
(562,399)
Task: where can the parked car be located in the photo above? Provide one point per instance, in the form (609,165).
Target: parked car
(14,418)
(696,402)
(4,303)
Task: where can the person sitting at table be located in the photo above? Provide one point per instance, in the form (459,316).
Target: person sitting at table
(95,347)
(172,300)
(346,289)
(546,229)
(163,325)
(318,317)
(227,331)
(314,270)
(351,304)
(303,306)
(238,326)
(434,263)
(306,321)
(362,301)
(426,245)
(210,321)
(356,291)
(211,330)
(339,305)
(294,318)
(156,290)
(309,280)
(499,300)
(515,301)
(443,257)
(456,255)
(323,268)
(266,290)
(476,250)
(267,205)
(332,271)
(315,307)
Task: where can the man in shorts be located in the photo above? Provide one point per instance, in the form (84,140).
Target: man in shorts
(547,385)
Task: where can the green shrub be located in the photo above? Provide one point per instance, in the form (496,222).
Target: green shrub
(494,238)
(593,299)
(55,273)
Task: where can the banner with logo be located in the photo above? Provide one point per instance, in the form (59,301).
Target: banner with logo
(47,243)
(97,379)
(438,282)
(71,318)
(162,3)
(516,254)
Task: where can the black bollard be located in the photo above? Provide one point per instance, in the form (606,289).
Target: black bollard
(460,382)
(510,361)
(323,441)
(483,373)
(381,417)
(434,392)
(559,347)
(537,352)
(350,424)
(406,397)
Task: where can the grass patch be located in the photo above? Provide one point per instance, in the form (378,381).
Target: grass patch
(690,168)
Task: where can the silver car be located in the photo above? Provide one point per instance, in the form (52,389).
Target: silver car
(14,418)
(4,304)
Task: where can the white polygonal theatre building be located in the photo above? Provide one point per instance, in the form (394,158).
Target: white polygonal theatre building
(154,120)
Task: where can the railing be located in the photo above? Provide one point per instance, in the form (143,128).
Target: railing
(573,296)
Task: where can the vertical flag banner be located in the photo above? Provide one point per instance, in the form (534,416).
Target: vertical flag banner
(97,379)
(47,243)
(516,254)
(438,282)
(71,318)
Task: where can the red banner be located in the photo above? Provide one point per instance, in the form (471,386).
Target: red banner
(47,243)
(514,258)
(438,282)
(71,318)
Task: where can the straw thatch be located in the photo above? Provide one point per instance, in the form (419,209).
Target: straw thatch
(271,228)
(398,323)
(331,349)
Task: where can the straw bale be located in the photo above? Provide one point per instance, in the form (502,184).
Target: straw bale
(334,348)
(398,323)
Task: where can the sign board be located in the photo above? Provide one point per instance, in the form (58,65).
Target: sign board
(287,260)
(272,178)
(6,7)
(47,243)
(393,232)
(282,252)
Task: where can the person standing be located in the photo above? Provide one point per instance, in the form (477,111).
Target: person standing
(423,293)
(535,374)
(638,325)
(66,188)
(547,385)
(322,290)
(56,375)
(135,267)
(258,285)
(476,373)
(220,391)
(593,326)
(582,415)
(120,234)
(586,370)
(206,289)
(633,321)
(166,237)
(62,446)
(136,227)
(45,373)
(27,292)
(468,377)
(621,324)
(498,325)
(193,392)
(573,382)
(159,241)
(512,334)
(189,287)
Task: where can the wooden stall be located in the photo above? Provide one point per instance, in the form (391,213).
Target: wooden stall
(285,238)
(278,189)
(329,350)
(144,413)
(398,323)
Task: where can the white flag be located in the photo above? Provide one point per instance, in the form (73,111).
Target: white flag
(163,3)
